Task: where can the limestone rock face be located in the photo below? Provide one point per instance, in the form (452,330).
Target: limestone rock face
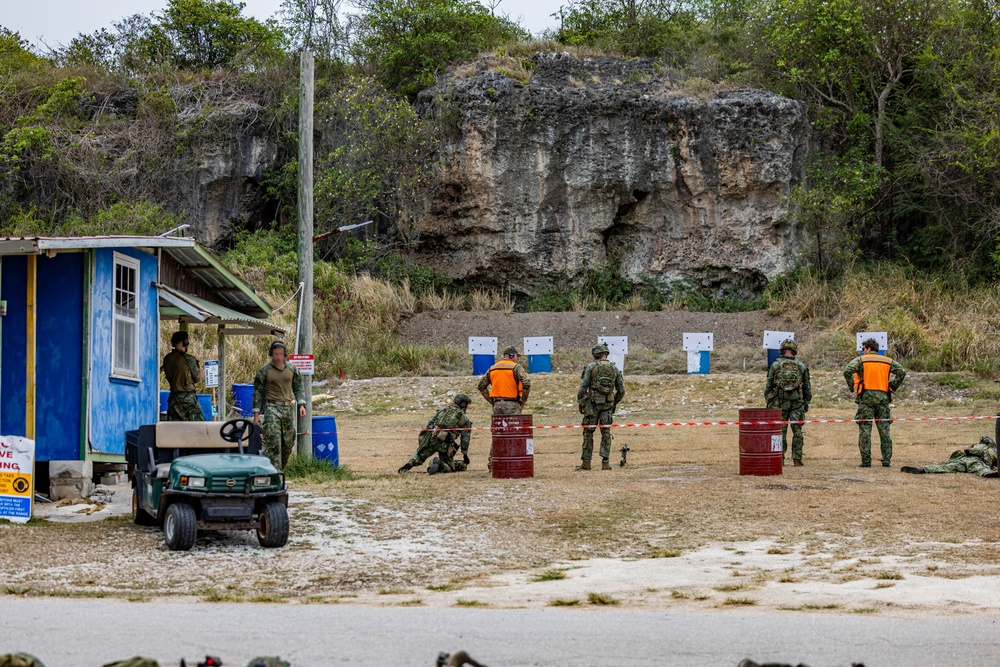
(591,160)
(223,186)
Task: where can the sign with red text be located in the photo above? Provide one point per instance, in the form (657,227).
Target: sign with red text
(306,363)
(17,463)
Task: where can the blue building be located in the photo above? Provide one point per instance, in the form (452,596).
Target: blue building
(80,329)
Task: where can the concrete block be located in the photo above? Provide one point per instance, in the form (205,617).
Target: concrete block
(70,479)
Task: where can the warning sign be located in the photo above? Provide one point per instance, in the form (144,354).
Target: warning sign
(17,461)
(211,374)
(304,362)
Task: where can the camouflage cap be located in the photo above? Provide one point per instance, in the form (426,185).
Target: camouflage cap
(987,440)
(268,661)
(600,349)
(790,344)
(20,660)
(511,352)
(462,399)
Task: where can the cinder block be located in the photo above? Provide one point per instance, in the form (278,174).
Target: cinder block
(114,478)
(70,479)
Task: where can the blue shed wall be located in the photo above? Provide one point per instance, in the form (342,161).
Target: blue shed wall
(59,355)
(13,329)
(119,405)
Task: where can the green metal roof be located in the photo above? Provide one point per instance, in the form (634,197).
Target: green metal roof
(189,308)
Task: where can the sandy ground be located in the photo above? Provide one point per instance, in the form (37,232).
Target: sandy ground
(676,528)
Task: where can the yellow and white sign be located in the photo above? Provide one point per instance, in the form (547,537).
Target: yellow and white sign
(17,463)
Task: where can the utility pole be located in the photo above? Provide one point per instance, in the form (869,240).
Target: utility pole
(305,245)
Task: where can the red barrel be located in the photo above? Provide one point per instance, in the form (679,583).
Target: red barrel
(760,445)
(513,447)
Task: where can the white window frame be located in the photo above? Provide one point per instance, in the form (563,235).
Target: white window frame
(121,260)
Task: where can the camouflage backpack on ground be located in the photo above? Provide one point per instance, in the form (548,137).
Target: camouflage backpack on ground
(788,376)
(602,381)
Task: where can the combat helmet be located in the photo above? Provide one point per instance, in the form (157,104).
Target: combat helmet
(462,400)
(789,345)
(600,349)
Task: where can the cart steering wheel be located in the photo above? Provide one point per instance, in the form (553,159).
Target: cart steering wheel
(234,430)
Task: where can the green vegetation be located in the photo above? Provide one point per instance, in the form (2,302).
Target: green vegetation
(560,602)
(601,599)
(317,470)
(552,574)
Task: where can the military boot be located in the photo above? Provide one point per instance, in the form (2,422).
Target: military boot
(584,465)
(406,466)
(435,466)
(797,462)
(914,470)
(605,465)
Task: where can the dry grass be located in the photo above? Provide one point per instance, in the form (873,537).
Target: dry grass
(936,323)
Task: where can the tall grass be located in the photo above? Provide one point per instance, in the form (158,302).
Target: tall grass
(936,322)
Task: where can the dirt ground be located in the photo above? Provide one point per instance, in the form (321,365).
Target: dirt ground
(676,527)
(653,330)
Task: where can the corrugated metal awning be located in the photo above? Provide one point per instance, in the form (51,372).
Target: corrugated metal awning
(184,307)
(229,290)
(36,245)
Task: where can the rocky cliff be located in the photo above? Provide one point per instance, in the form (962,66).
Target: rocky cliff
(561,164)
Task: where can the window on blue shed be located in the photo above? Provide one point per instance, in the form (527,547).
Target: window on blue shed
(125,333)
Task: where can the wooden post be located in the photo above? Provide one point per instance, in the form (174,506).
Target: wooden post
(221,401)
(305,244)
(31,348)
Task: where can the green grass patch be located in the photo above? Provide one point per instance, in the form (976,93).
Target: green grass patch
(317,470)
(215,595)
(552,574)
(740,602)
(864,610)
(601,599)
(441,588)
(811,607)
(415,602)
(889,575)
(729,588)
(661,552)
(461,602)
(269,598)
(562,602)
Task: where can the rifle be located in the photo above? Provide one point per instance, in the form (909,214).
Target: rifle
(624,450)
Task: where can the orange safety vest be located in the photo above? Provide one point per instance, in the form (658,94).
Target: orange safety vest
(875,371)
(503,384)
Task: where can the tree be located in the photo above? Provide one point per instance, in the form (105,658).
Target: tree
(650,28)
(315,25)
(408,42)
(208,34)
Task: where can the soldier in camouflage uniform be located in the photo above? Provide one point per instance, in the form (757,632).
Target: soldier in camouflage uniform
(182,371)
(980,459)
(505,386)
(788,387)
(602,388)
(448,425)
(277,390)
(873,379)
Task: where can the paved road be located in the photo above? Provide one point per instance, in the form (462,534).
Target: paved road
(89,633)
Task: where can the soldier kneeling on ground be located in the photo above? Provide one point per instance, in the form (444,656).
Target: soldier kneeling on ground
(440,438)
(980,459)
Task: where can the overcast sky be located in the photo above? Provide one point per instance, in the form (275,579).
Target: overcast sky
(58,21)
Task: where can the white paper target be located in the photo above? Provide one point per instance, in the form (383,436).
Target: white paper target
(699,342)
(538,345)
(775,443)
(774,339)
(881,336)
(529,444)
(482,345)
(616,344)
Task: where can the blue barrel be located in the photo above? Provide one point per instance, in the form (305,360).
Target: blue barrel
(539,363)
(243,399)
(205,401)
(772,356)
(324,436)
(481,363)
(164,395)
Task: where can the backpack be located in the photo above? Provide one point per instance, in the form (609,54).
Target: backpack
(603,378)
(788,376)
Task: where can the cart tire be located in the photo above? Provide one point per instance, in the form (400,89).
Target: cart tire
(140,517)
(272,525)
(180,527)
